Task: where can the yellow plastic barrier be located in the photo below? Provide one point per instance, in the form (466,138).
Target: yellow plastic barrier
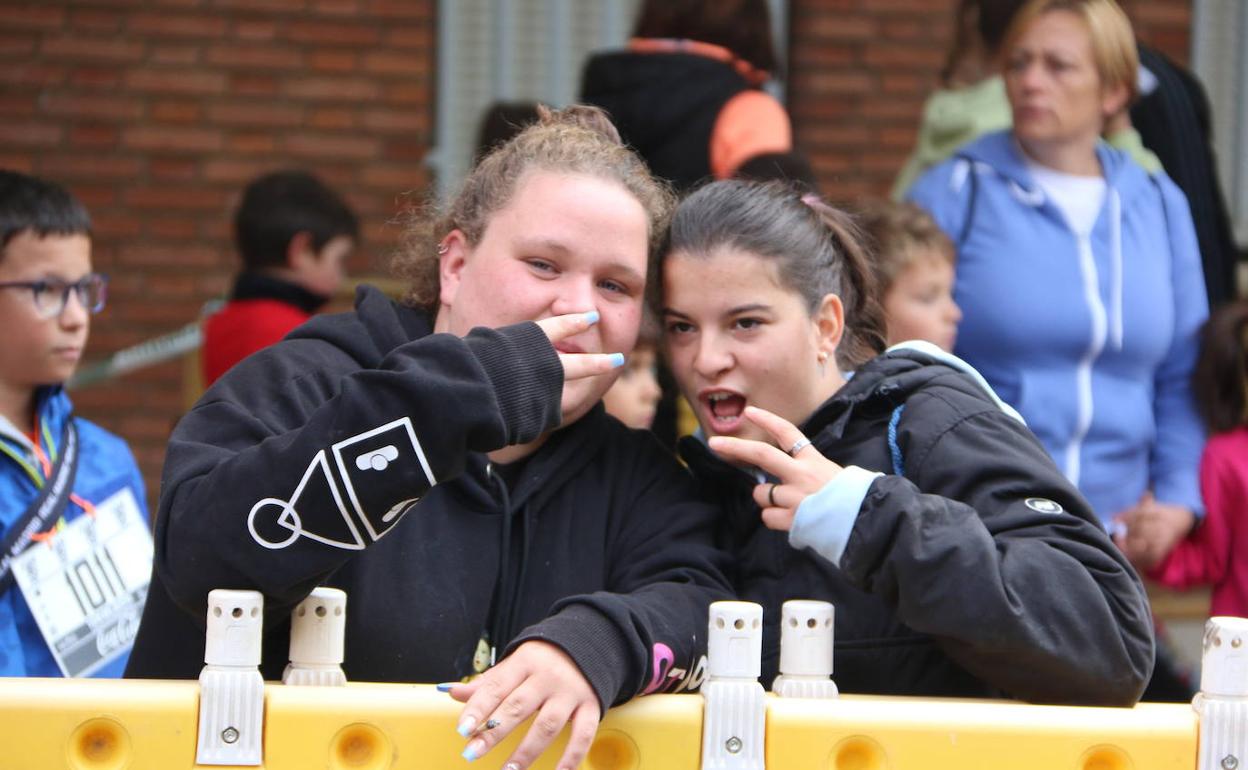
(132,725)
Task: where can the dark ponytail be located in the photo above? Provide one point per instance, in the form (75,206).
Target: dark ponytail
(1220,380)
(817,248)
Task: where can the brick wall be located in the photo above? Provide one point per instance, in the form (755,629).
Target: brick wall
(156,112)
(861,69)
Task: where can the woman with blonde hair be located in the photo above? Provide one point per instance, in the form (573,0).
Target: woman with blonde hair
(1078,273)
(446,462)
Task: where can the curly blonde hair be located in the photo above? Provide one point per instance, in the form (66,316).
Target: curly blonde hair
(576,140)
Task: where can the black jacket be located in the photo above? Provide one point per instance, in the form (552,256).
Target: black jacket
(955,580)
(290,470)
(665,106)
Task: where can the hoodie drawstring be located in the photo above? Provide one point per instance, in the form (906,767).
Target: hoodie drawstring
(1115,323)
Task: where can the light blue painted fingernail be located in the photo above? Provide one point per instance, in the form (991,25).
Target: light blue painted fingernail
(474,750)
(617,360)
(592,317)
(466,726)
(446,686)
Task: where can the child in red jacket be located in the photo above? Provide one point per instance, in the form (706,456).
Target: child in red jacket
(294,235)
(1212,553)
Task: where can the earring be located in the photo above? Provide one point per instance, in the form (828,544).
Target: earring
(442,249)
(822,358)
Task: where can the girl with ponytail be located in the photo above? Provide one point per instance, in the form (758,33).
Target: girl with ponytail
(893,484)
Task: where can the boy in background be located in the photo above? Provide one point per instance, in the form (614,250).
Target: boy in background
(913,261)
(294,235)
(75,549)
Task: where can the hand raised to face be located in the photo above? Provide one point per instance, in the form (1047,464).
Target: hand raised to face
(801,468)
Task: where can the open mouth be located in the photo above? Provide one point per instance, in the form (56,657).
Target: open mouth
(725,410)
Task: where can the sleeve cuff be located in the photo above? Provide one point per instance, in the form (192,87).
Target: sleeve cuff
(825,519)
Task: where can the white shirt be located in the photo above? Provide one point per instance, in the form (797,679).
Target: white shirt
(1079,197)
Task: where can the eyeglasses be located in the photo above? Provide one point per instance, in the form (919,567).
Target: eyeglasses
(51,296)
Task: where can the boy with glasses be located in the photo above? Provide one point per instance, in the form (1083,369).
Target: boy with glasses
(74,545)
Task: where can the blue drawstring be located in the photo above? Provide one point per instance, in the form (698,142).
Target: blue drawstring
(893,448)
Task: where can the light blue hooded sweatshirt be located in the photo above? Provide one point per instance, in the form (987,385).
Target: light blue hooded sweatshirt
(1092,339)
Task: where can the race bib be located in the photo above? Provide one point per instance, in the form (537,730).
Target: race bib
(86,586)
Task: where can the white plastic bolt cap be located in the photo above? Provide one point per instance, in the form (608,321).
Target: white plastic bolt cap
(235,620)
(806,638)
(1224,664)
(735,643)
(317,628)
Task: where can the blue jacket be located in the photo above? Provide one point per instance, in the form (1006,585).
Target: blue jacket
(1093,342)
(105,467)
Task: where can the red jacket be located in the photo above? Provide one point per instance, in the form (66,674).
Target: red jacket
(262,310)
(1213,553)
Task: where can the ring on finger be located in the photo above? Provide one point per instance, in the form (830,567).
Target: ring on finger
(771,495)
(798,446)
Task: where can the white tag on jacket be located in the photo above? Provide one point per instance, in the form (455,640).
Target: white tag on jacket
(86,586)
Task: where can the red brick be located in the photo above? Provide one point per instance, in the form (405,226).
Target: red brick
(234,172)
(398,9)
(331,146)
(395,122)
(173,169)
(16,45)
(176,81)
(839,28)
(111,225)
(96,77)
(819,83)
(254,56)
(393,178)
(94,135)
(405,149)
(333,32)
(239,113)
(31,16)
(95,20)
(252,85)
(387,63)
(77,105)
(333,60)
(105,49)
(166,227)
(173,139)
(17,105)
(162,25)
(883,55)
(94,196)
(174,111)
(333,89)
(250,29)
(65,165)
(250,143)
(408,94)
(33,73)
(30,133)
(17,161)
(252,6)
(347,8)
(410,37)
(175,54)
(332,117)
(167,254)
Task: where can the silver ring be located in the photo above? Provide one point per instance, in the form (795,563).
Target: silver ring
(801,444)
(771,496)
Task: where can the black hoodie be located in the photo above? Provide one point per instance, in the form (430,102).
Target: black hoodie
(958,577)
(665,106)
(290,470)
